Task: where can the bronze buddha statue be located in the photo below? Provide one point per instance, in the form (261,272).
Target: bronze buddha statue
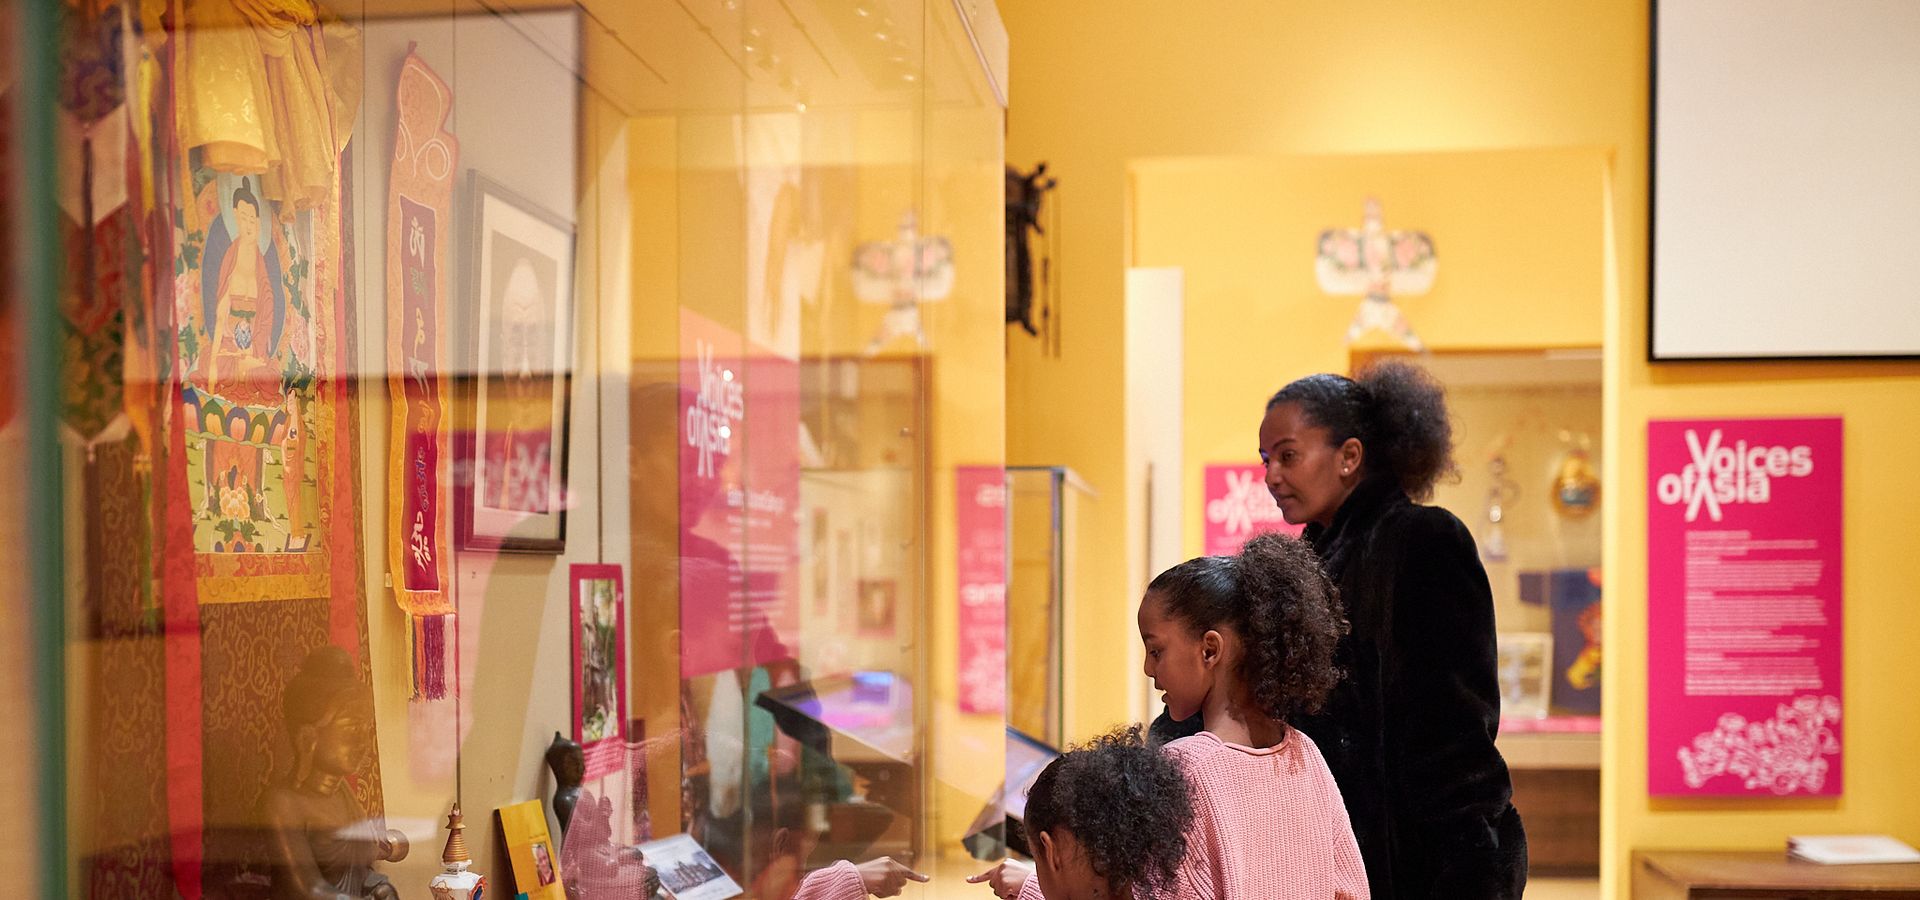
(321,842)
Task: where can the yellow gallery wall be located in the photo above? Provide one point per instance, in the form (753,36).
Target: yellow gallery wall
(1881,624)
(1098,85)
(1520,244)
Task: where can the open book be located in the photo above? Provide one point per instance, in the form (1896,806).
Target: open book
(1831,849)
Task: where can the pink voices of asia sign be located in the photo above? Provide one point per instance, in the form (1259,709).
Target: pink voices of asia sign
(1237,507)
(980,510)
(1743,607)
(739,538)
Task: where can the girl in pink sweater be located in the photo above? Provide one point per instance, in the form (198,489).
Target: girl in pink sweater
(1247,641)
(882,877)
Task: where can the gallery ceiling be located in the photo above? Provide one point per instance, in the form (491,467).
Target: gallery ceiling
(661,56)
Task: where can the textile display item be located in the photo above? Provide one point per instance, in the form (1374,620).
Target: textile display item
(106,213)
(247,353)
(257,526)
(419,520)
(1572,596)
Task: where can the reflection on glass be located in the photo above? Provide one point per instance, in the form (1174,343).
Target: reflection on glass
(388,327)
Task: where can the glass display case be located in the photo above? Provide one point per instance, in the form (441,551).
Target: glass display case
(472,406)
(1043,511)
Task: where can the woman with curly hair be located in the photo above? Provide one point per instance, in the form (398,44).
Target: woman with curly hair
(1410,732)
(1244,645)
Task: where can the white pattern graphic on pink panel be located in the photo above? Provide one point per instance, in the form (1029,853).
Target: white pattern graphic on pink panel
(1783,754)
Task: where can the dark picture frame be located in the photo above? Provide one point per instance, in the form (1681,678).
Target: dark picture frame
(1654,351)
(517,293)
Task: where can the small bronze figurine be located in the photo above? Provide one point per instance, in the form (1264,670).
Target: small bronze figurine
(569,765)
(322,842)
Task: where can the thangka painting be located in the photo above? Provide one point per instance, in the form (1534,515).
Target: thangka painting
(258,328)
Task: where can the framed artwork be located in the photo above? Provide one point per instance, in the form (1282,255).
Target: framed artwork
(599,665)
(879,603)
(1526,674)
(520,288)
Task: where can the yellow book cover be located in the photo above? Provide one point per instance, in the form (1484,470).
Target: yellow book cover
(536,861)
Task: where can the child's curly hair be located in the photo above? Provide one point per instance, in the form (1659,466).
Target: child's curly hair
(1126,803)
(1285,611)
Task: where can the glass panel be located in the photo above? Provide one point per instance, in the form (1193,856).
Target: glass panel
(506,403)
(32,666)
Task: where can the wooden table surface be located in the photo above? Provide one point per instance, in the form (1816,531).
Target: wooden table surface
(1740,873)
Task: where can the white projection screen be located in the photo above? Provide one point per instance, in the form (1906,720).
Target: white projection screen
(1786,179)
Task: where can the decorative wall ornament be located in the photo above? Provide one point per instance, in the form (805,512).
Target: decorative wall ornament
(903,273)
(419,212)
(1026,195)
(1377,264)
(1576,484)
(1502,492)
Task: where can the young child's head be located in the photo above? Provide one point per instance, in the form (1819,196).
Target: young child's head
(1257,630)
(1109,819)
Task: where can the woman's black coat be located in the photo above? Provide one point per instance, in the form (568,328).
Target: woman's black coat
(1409,732)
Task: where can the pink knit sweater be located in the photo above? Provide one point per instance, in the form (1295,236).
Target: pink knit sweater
(840,881)
(1269,824)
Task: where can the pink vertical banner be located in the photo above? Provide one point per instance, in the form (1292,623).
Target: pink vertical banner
(1236,506)
(1744,531)
(980,537)
(421,488)
(770,506)
(713,404)
(739,490)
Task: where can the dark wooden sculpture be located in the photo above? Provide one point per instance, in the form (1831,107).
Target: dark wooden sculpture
(1024,196)
(569,765)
